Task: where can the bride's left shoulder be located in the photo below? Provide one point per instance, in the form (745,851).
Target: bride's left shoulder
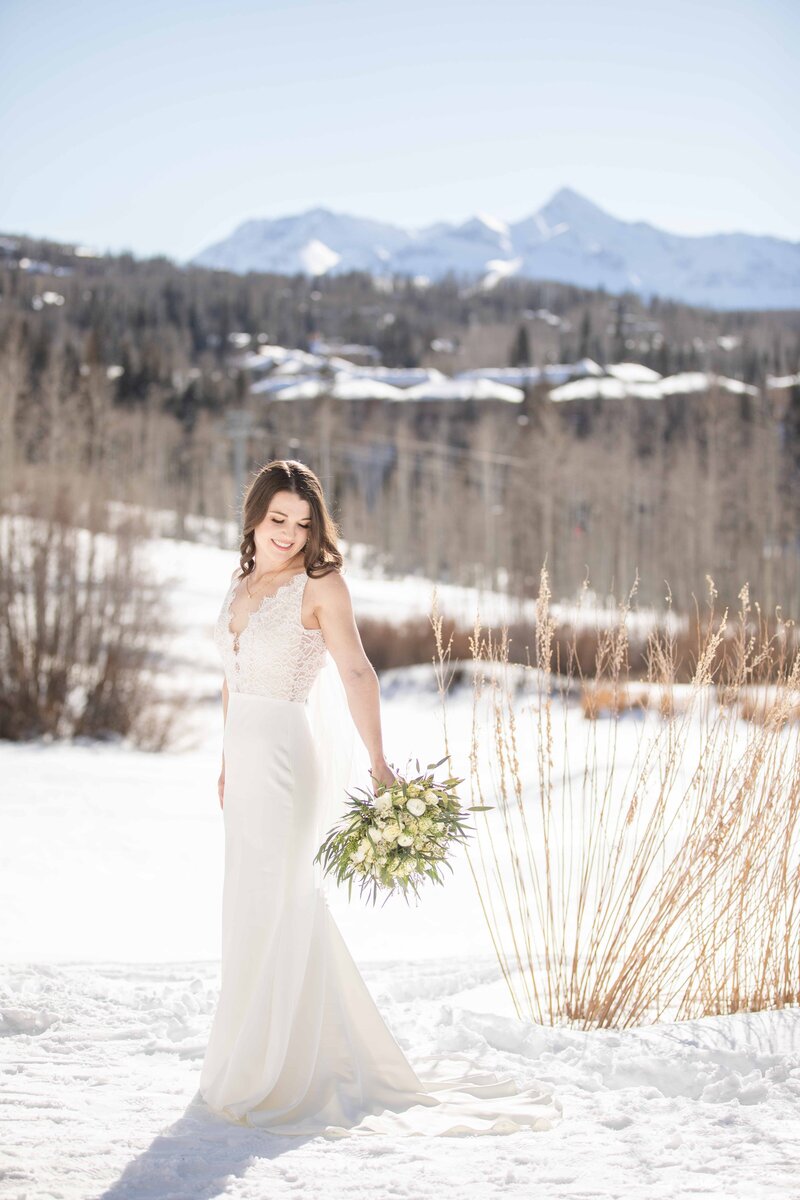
(329,584)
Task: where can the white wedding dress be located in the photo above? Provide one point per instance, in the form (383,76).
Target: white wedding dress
(297,1044)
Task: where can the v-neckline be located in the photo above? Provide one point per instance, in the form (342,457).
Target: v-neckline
(254,611)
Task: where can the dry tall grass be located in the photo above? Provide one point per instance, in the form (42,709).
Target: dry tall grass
(578,648)
(649,874)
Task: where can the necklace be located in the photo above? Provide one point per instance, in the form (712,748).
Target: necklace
(266,575)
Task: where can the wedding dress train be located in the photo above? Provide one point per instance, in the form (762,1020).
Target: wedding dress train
(297,1044)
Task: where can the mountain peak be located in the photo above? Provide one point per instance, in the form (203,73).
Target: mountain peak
(569,239)
(567,200)
(491,222)
(568,193)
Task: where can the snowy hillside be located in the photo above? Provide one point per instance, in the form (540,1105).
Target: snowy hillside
(569,239)
(316,242)
(110,891)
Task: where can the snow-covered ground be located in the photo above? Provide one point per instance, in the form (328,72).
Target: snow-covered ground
(110,891)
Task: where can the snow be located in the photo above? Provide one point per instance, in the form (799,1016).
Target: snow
(343,387)
(568,239)
(332,348)
(106,1058)
(630,372)
(316,258)
(337,362)
(296,388)
(616,387)
(783,381)
(315,242)
(346,388)
(498,269)
(295,365)
(607,387)
(493,223)
(398,377)
(110,889)
(465,389)
(546,230)
(279,358)
(520,376)
(349,386)
(700,381)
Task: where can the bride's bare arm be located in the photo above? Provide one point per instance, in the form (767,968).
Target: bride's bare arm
(333,608)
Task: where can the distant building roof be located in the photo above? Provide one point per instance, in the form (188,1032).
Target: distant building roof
(527,376)
(683,384)
(631,372)
(464,389)
(341,388)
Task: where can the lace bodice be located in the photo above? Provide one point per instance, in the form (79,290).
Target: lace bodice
(274,655)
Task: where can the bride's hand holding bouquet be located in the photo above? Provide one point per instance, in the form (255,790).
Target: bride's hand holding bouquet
(381,773)
(395,839)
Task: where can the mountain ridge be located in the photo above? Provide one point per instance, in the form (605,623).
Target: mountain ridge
(569,239)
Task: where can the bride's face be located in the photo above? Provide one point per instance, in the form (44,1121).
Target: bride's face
(283,532)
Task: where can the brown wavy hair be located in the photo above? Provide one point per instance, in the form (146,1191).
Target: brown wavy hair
(321,551)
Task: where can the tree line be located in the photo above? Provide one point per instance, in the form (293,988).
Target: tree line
(132,378)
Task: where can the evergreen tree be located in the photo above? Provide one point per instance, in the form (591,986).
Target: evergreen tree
(585,342)
(520,355)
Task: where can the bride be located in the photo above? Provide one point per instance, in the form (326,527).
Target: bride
(297,1044)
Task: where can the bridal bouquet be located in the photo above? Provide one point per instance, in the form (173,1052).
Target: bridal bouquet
(397,838)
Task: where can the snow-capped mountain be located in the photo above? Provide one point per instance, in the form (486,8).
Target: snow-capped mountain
(569,239)
(316,242)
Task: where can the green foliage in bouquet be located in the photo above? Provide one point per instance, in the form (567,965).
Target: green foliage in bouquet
(394,840)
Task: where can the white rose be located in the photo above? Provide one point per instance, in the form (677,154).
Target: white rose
(416,806)
(375,834)
(431,797)
(405,839)
(382,805)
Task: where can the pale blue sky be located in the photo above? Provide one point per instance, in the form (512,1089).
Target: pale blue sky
(158,127)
